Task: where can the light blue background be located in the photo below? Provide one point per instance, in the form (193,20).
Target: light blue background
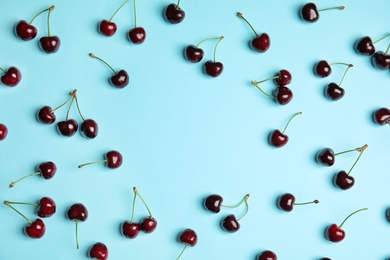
(184,135)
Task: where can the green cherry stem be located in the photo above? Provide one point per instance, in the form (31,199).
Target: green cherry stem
(77,233)
(70,105)
(340,63)
(235,206)
(305,203)
(78,108)
(345,72)
(24,177)
(351,215)
(146,206)
(215,48)
(85,164)
(387,35)
(63,104)
(246,207)
(96,57)
(360,150)
(17,211)
(132,209)
(48,20)
(112,17)
(243,18)
(23,203)
(178,4)
(332,8)
(296,114)
(352,150)
(208,39)
(47,9)
(255,83)
(182,251)
(135,14)
(2,70)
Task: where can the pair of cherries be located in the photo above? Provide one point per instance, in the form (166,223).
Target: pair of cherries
(195,54)
(131,229)
(46,207)
(26,32)
(229,223)
(365,46)
(68,127)
(281,94)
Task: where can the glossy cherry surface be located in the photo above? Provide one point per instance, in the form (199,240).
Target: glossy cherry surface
(325,157)
(89,128)
(77,212)
(266,255)
(36,229)
(283,95)
(213,69)
(148,224)
(193,53)
(322,69)
(283,78)
(188,236)
(67,128)
(213,203)
(277,138)
(343,180)
(137,35)
(46,207)
(130,229)
(98,251)
(260,43)
(46,169)
(120,79)
(11,77)
(50,44)
(173,14)
(381,60)
(309,13)
(107,28)
(381,116)
(45,115)
(3,131)
(334,233)
(334,92)
(25,31)
(286,202)
(364,46)
(114,159)
(230,223)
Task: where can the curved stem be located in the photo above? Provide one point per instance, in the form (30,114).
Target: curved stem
(215,38)
(341,63)
(96,57)
(387,35)
(63,104)
(305,203)
(17,211)
(48,20)
(23,203)
(236,206)
(351,215)
(330,8)
(139,195)
(47,9)
(117,10)
(77,234)
(345,72)
(242,17)
(246,207)
(361,150)
(178,4)
(78,108)
(182,251)
(32,174)
(254,83)
(299,113)
(132,209)
(215,48)
(135,15)
(85,164)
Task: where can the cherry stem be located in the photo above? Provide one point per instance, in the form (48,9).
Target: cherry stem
(85,164)
(299,113)
(387,50)
(135,15)
(215,48)
(242,17)
(246,207)
(305,203)
(112,17)
(345,72)
(96,57)
(132,209)
(77,233)
(78,108)
(23,203)
(236,206)
(215,38)
(2,70)
(70,105)
(182,251)
(63,104)
(48,20)
(32,174)
(17,211)
(178,4)
(254,83)
(387,35)
(47,9)
(340,63)
(351,215)
(139,195)
(360,150)
(330,8)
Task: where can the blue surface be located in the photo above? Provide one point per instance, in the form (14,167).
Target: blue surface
(184,135)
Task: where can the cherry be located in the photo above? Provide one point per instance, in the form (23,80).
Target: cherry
(323,69)
(334,233)
(335,92)
(194,53)
(381,116)
(279,139)
(365,46)
(120,78)
(26,31)
(266,255)
(326,156)
(89,128)
(11,77)
(381,60)
(136,35)
(46,170)
(310,13)
(113,160)
(130,229)
(260,43)
(34,229)
(282,94)
(282,78)
(173,13)
(46,207)
(45,114)
(213,203)
(108,28)
(77,212)
(98,251)
(188,237)
(342,179)
(3,131)
(286,202)
(214,68)
(230,223)
(67,128)
(49,44)
(148,224)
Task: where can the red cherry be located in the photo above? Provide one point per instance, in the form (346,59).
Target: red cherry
(286,202)
(11,77)
(279,139)
(310,13)
(260,43)
(108,28)
(77,212)
(130,229)
(137,35)
(25,31)
(46,170)
(3,131)
(381,60)
(98,251)
(45,115)
(214,68)
(381,116)
(46,207)
(67,128)
(266,255)
(148,224)
(283,95)
(173,13)
(89,128)
(49,44)
(113,160)
(283,78)
(188,236)
(35,229)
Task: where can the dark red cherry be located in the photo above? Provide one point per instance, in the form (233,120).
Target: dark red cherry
(148,224)
(89,128)
(343,180)
(120,79)
(325,157)
(283,95)
(193,53)
(35,229)
(334,92)
(266,255)
(130,229)
(213,203)
(309,13)
(322,69)
(365,46)
(45,115)
(286,202)
(334,233)
(381,60)
(283,78)
(173,13)
(49,44)
(381,116)
(230,223)
(188,236)
(137,35)
(107,28)
(113,160)
(260,43)
(46,169)
(213,69)
(25,31)
(277,139)
(3,131)
(67,128)
(98,251)
(77,212)
(46,207)
(11,77)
